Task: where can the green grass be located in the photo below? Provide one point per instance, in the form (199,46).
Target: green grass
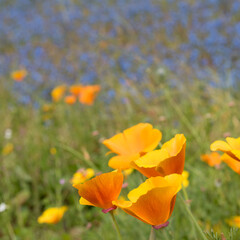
(30,174)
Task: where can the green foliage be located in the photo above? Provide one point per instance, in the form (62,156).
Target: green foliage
(30,174)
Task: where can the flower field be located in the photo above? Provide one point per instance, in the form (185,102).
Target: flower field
(119,119)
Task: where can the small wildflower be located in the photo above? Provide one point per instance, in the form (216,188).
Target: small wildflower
(70,100)
(185,175)
(231,104)
(52,215)
(7,149)
(3,207)
(19,75)
(8,133)
(62,181)
(213,159)
(82,175)
(95,133)
(88,94)
(47,107)
(53,150)
(226,134)
(161,71)
(58,92)
(127,172)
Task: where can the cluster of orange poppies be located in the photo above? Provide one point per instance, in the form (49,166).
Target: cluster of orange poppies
(153,201)
(84,94)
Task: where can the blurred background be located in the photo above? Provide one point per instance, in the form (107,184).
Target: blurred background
(175,64)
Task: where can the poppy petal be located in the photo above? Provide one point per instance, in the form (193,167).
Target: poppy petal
(102,190)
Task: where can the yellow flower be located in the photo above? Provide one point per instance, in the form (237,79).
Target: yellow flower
(47,107)
(19,75)
(127,172)
(185,175)
(82,175)
(58,92)
(53,150)
(7,149)
(234,221)
(52,215)
(231,147)
(131,144)
(168,160)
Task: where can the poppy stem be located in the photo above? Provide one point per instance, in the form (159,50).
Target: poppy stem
(193,219)
(116,225)
(152,235)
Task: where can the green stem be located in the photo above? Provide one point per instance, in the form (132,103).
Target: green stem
(185,193)
(152,235)
(116,225)
(77,154)
(182,116)
(193,219)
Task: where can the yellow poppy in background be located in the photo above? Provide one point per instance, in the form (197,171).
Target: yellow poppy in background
(231,162)
(168,160)
(58,92)
(7,149)
(52,215)
(185,181)
(88,94)
(153,201)
(131,144)
(212,159)
(82,175)
(19,75)
(230,147)
(101,190)
(234,221)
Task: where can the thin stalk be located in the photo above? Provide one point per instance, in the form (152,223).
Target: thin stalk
(116,225)
(182,116)
(77,154)
(193,219)
(152,235)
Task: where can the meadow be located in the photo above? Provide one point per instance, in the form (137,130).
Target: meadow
(172,64)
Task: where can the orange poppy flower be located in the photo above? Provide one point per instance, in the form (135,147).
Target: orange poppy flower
(131,144)
(88,94)
(168,160)
(71,99)
(231,147)
(231,162)
(101,190)
(58,92)
(153,201)
(52,215)
(212,159)
(76,89)
(19,75)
